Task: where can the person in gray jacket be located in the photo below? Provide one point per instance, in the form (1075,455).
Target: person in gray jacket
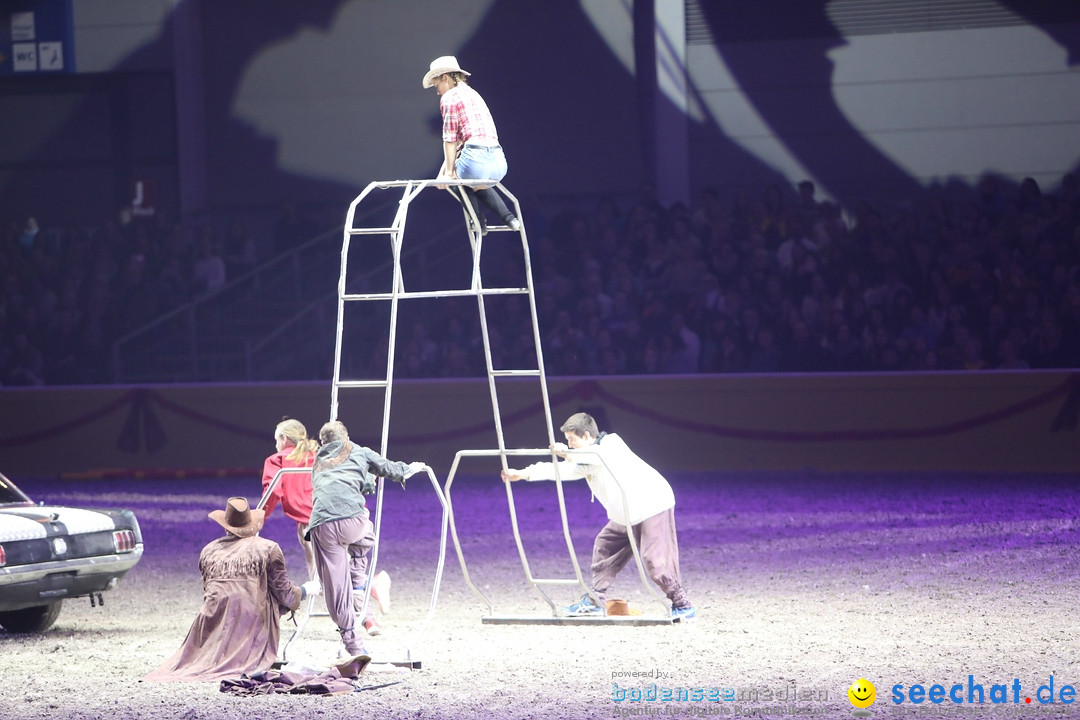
(340,529)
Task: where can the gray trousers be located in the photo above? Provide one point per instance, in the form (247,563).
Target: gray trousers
(659,548)
(341,557)
(309,551)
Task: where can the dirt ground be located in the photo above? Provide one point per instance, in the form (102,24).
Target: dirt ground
(803,583)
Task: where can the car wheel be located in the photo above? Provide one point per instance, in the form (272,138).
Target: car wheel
(32,619)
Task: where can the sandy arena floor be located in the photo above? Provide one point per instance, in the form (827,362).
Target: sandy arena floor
(803,585)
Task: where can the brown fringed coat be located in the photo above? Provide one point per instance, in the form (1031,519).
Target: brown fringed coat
(246,590)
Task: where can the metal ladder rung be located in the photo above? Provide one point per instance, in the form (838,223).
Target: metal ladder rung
(372,231)
(434,294)
(361,383)
(555,581)
(515,373)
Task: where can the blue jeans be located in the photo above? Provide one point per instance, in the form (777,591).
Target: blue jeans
(481,163)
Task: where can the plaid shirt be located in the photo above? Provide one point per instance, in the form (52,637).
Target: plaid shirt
(466,117)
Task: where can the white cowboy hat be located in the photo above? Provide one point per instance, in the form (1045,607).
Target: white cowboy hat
(440,65)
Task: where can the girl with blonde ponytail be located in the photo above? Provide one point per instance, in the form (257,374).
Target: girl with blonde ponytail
(294,450)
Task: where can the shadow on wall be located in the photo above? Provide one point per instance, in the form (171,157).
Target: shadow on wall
(794,91)
(568,118)
(563,116)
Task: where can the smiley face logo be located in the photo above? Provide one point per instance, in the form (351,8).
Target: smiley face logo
(862,693)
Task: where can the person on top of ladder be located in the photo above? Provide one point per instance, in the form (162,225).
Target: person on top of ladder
(471,149)
(611,468)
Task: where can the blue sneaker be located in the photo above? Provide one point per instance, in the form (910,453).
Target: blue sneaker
(683,613)
(584,606)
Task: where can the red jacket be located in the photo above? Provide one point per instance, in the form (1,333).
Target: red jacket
(294,489)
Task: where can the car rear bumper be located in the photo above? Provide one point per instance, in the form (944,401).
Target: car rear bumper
(24,586)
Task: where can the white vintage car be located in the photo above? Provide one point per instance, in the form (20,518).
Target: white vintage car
(51,553)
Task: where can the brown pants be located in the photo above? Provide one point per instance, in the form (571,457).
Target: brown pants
(341,557)
(659,548)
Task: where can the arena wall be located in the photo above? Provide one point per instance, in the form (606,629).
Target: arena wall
(1022,422)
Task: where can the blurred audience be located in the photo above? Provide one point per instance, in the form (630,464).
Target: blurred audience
(789,283)
(66,294)
(772,280)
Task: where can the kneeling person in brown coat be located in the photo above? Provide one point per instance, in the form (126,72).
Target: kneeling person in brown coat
(246,590)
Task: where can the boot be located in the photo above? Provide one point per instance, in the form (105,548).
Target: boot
(356,660)
(353,667)
(353,645)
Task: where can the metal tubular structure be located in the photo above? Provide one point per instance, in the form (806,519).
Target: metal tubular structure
(410,189)
(309,610)
(436,584)
(538,583)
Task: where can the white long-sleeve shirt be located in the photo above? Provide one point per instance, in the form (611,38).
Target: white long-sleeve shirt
(608,465)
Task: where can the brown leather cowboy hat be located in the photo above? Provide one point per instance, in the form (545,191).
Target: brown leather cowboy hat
(238,518)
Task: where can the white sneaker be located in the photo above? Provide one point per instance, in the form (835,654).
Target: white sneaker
(380,591)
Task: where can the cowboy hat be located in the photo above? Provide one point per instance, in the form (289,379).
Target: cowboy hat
(238,518)
(440,65)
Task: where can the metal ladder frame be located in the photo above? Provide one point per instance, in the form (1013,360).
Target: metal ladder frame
(410,190)
(396,232)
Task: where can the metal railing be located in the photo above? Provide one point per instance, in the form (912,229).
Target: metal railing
(246,330)
(205,338)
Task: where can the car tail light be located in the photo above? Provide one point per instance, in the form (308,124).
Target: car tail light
(123,540)
(3,556)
